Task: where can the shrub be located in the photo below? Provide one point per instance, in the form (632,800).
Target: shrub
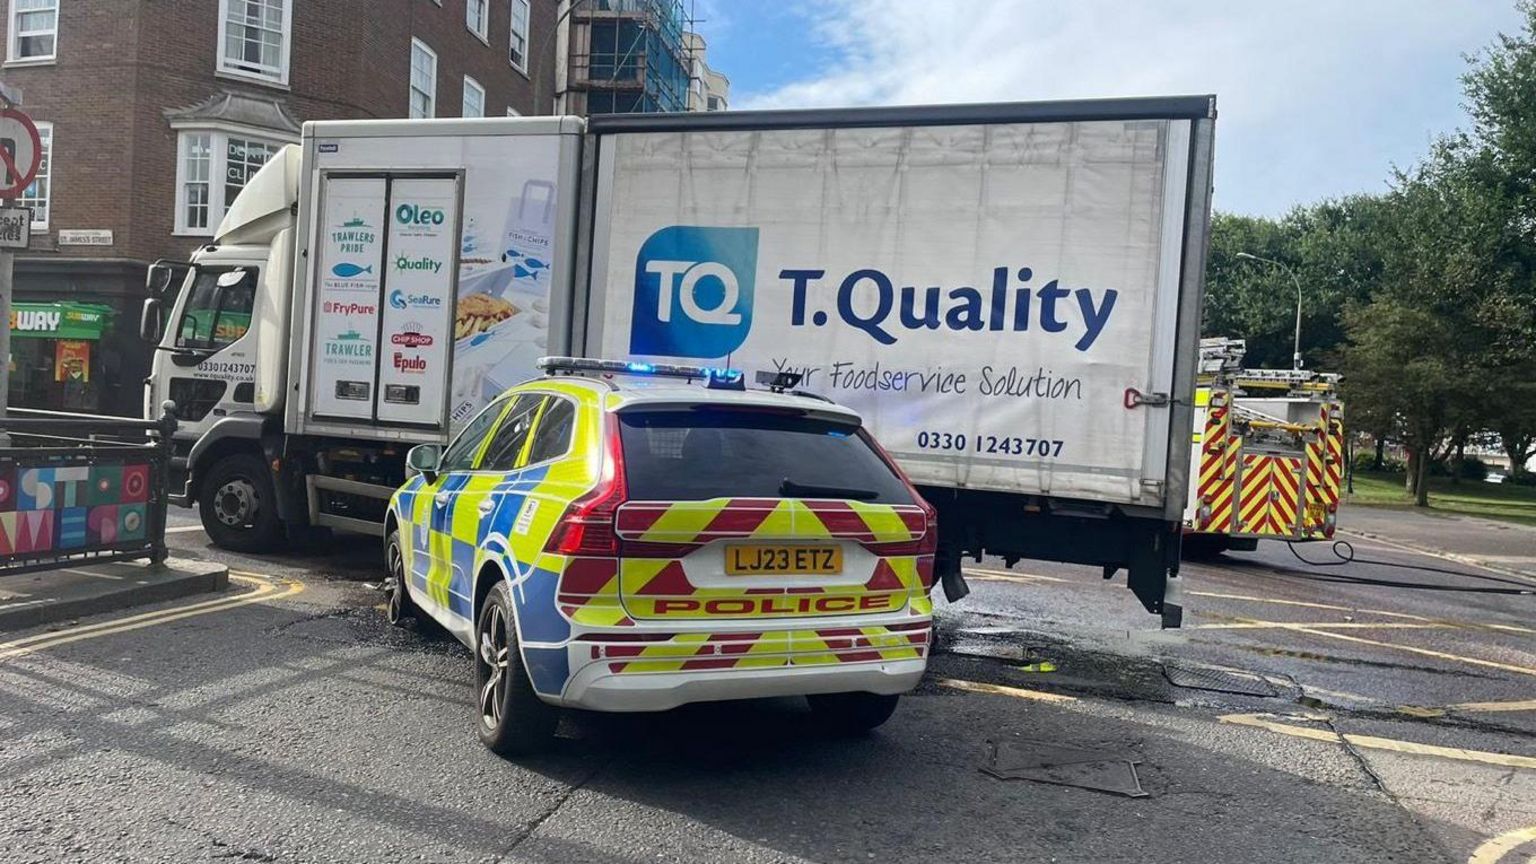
(1366,461)
(1473,468)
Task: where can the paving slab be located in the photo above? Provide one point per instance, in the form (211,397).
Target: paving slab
(33,599)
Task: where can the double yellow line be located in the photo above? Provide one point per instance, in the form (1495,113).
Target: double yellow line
(264,590)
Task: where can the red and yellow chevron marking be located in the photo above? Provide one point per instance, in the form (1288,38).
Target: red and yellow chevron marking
(683,652)
(650,580)
(1269,495)
(1218,465)
(727,518)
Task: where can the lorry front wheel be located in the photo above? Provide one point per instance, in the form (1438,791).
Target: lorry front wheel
(238,505)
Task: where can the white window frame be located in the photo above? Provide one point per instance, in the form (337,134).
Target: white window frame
(14,37)
(527,34)
(218,168)
(471,84)
(410,82)
(483,32)
(277,77)
(45,174)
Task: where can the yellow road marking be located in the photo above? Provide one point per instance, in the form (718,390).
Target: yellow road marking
(1494,850)
(1469,707)
(1255,624)
(264,591)
(1008,576)
(1354,610)
(1001,690)
(1372,742)
(1424,652)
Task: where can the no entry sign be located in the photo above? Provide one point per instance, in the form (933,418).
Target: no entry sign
(21,151)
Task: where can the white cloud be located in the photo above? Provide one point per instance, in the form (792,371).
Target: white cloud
(1316,97)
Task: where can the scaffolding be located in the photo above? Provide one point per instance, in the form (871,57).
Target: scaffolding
(630,56)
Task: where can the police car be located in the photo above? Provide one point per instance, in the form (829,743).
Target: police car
(632,537)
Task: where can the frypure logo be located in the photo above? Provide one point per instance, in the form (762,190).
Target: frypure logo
(337,307)
(693,291)
(415,214)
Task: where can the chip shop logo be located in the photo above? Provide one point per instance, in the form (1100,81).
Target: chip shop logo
(411,339)
(693,291)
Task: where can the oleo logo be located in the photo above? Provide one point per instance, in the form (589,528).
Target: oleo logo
(415,214)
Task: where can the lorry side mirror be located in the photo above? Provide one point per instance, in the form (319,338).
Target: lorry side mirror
(151,321)
(423,459)
(162,274)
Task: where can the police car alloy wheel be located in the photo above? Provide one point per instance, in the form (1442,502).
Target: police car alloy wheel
(511,719)
(398,605)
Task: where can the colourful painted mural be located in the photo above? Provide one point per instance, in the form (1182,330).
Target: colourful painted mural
(67,509)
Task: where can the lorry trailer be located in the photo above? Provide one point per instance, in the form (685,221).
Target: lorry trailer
(1009,294)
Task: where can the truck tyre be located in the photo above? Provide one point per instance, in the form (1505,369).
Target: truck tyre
(398,605)
(852,713)
(511,719)
(238,505)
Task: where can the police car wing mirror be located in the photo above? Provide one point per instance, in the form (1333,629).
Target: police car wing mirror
(779,381)
(423,459)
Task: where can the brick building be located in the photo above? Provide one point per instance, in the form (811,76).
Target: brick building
(155,112)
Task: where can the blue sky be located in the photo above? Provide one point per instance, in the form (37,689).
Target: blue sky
(1317,98)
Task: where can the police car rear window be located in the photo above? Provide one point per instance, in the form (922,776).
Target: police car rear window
(698,454)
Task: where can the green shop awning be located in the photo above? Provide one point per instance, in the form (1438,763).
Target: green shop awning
(60,320)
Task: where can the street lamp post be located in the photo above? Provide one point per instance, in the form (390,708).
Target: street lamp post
(1296,346)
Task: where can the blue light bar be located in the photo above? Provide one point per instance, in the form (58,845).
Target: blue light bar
(578,365)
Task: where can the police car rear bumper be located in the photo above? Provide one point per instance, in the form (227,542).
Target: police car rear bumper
(597,688)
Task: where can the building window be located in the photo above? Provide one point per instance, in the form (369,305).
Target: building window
(477,15)
(716,103)
(36,195)
(253,39)
(517,53)
(34,29)
(211,169)
(423,80)
(474,98)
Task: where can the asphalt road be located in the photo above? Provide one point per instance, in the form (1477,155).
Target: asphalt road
(285,721)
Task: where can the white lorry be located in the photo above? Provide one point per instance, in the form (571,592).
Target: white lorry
(1009,294)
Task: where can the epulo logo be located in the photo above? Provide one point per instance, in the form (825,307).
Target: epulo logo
(693,291)
(415,214)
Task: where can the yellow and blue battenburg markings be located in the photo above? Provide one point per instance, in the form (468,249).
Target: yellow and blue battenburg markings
(445,547)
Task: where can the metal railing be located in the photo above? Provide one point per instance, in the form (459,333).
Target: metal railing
(79,489)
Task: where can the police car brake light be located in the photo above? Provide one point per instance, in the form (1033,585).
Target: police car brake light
(716,375)
(587,526)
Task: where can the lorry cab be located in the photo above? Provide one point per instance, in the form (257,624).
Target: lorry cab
(221,346)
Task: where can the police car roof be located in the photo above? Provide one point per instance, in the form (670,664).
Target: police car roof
(627,391)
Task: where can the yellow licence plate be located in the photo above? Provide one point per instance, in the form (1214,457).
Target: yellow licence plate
(752,560)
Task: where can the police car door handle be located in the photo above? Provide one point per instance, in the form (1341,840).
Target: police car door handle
(486,507)
(442,499)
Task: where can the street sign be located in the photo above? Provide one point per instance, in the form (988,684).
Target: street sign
(21,152)
(15,227)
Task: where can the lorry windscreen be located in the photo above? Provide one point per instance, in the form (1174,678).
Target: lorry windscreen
(707,452)
(218,309)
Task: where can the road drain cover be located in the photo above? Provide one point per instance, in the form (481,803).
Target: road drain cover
(1062,765)
(1218,680)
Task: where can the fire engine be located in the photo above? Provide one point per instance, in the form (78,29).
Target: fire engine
(1268,453)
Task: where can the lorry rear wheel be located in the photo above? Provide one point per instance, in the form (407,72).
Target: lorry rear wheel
(238,505)
(852,713)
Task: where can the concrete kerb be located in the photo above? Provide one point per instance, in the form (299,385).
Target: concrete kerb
(1441,554)
(47,597)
